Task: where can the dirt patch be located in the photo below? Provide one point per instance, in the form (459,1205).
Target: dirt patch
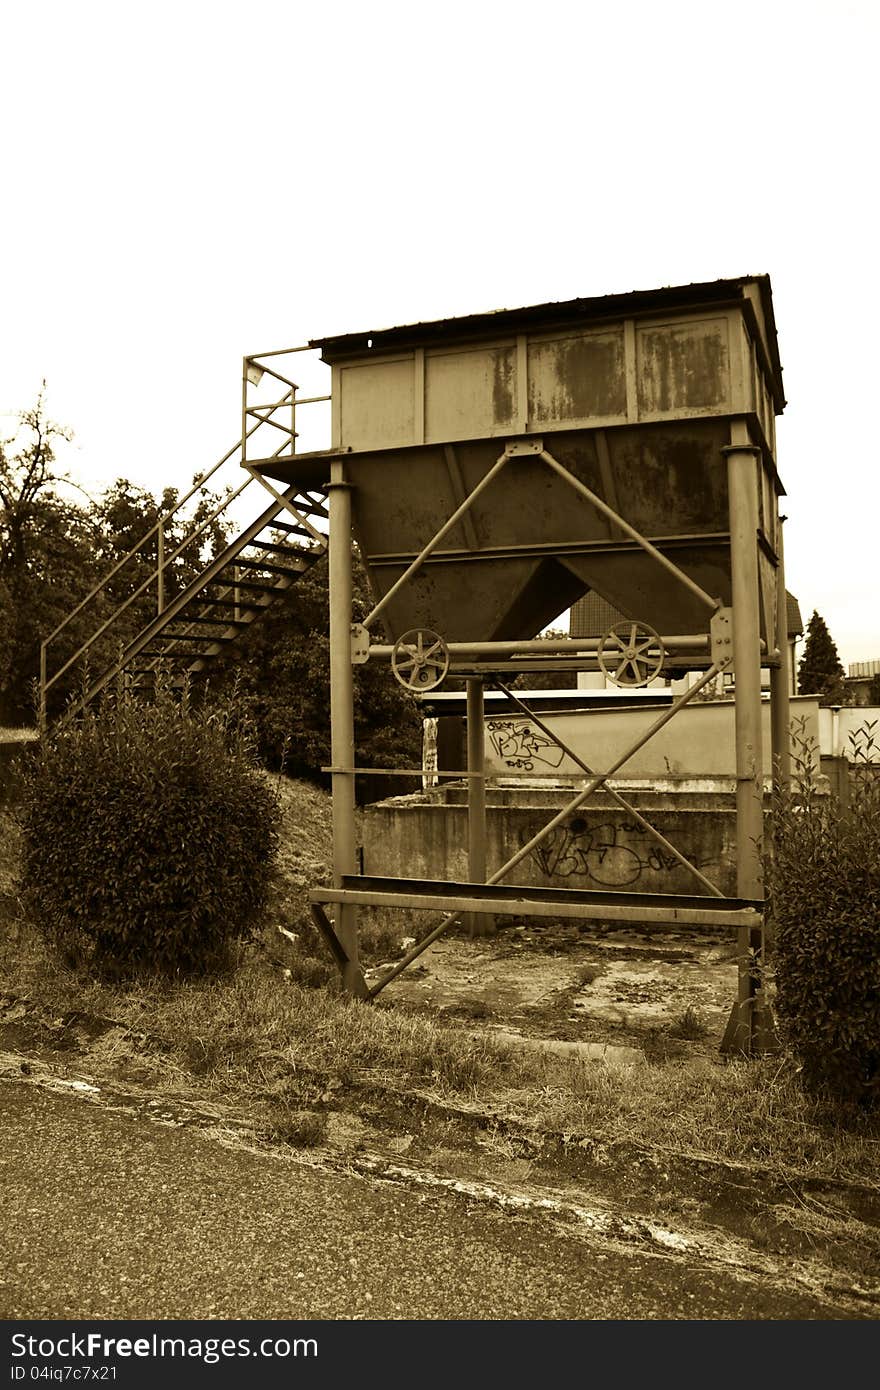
(579,985)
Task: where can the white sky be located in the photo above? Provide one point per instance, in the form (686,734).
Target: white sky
(184,183)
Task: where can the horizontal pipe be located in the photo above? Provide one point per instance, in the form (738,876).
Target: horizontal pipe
(547,646)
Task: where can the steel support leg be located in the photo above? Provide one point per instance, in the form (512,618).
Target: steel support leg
(478,924)
(342,719)
(780,681)
(747,1026)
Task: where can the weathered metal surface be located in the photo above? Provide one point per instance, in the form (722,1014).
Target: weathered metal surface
(634,395)
(515,900)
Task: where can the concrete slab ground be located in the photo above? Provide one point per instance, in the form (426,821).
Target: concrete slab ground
(620,990)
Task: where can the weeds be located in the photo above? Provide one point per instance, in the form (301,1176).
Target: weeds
(302,1129)
(823,877)
(689,1025)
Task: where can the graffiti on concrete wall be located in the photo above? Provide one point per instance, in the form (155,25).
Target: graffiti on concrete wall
(522,747)
(614,854)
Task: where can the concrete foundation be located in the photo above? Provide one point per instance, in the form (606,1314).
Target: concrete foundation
(599,846)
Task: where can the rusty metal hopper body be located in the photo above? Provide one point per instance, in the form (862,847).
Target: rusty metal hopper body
(633,394)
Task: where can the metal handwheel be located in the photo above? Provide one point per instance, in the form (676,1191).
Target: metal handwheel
(420,659)
(631,653)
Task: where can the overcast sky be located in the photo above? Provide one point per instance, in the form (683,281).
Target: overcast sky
(185,183)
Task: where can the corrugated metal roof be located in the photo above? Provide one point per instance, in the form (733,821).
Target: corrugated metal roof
(559,312)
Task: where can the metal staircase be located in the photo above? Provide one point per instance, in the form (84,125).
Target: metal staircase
(143,619)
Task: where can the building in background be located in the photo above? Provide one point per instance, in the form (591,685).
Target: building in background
(861,682)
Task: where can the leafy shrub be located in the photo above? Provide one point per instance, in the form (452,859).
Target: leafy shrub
(148,837)
(823,876)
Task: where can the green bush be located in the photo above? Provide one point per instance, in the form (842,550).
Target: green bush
(823,877)
(148,837)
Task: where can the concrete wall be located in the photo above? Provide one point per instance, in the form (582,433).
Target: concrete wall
(839,726)
(696,745)
(600,846)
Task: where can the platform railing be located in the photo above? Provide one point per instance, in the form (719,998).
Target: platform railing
(152,549)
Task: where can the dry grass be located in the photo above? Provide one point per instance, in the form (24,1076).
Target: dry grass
(254,1034)
(256,1030)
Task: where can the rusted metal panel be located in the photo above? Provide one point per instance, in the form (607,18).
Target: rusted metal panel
(377,404)
(579,377)
(683,367)
(470,392)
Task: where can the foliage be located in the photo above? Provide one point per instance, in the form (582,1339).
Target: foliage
(282,665)
(820,671)
(823,877)
(54,550)
(47,552)
(874,690)
(148,837)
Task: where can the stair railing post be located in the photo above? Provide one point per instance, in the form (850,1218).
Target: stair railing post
(244,411)
(342,714)
(43,674)
(160,570)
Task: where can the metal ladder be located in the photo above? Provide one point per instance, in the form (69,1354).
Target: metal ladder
(231,590)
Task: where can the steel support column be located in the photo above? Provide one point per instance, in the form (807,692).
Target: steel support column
(746,1023)
(476,762)
(780,679)
(342,716)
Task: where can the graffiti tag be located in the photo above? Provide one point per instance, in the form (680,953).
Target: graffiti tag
(598,852)
(521,746)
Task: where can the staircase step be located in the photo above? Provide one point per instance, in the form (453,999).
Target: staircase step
(281,549)
(289,526)
(227,603)
(304,502)
(173,656)
(191,636)
(266,565)
(204,618)
(249,584)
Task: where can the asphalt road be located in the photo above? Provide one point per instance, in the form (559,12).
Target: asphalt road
(107,1217)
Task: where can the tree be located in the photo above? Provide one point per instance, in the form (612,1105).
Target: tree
(281,668)
(47,551)
(820,671)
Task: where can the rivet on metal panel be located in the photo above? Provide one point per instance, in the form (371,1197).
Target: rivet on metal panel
(721,635)
(523,446)
(360,644)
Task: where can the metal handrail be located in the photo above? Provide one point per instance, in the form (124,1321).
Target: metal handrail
(136,549)
(163,561)
(145,585)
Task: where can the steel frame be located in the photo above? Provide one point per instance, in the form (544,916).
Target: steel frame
(750,1026)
